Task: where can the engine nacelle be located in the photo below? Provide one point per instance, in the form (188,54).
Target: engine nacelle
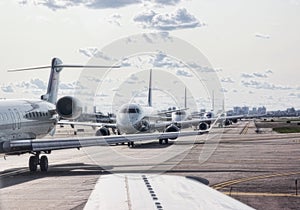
(234,120)
(172,128)
(142,126)
(103,131)
(203,126)
(69,107)
(227,122)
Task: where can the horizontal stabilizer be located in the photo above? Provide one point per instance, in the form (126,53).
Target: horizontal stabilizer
(61,66)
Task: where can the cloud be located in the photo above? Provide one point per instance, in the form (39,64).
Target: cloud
(269,71)
(114,19)
(246,75)
(166,2)
(103,4)
(255,74)
(227,80)
(205,69)
(183,73)
(94,52)
(264,85)
(38,83)
(7,89)
(179,19)
(262,36)
(91,4)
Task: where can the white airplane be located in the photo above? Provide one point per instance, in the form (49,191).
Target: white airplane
(23,121)
(134,119)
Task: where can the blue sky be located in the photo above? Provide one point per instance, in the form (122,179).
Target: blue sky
(254,45)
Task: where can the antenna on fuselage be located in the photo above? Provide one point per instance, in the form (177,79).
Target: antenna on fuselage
(150,89)
(185,99)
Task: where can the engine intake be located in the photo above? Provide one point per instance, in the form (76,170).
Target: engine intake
(69,107)
(203,126)
(103,131)
(172,128)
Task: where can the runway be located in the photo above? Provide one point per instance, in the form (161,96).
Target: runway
(257,169)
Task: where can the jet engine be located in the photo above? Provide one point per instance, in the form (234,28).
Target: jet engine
(172,128)
(203,126)
(234,120)
(142,126)
(103,131)
(68,107)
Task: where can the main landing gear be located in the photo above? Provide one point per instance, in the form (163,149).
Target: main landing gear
(161,141)
(131,144)
(34,161)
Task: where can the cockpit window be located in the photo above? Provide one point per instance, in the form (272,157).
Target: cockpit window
(130,110)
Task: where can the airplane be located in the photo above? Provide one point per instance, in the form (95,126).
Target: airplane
(133,118)
(24,121)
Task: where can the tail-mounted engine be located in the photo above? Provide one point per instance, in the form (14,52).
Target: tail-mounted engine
(68,107)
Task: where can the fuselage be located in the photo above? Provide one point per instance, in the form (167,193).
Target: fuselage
(133,118)
(26,119)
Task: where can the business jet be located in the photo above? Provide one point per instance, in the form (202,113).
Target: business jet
(24,121)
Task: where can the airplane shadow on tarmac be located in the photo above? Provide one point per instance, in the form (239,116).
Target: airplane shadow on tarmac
(21,175)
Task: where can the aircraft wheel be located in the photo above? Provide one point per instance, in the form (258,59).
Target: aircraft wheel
(44,163)
(33,162)
(131,144)
(161,141)
(166,141)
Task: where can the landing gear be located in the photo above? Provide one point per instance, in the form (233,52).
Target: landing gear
(44,163)
(34,161)
(131,144)
(161,141)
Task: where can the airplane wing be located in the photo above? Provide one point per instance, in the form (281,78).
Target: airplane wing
(157,191)
(90,124)
(47,145)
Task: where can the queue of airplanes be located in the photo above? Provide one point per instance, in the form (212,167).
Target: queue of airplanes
(24,122)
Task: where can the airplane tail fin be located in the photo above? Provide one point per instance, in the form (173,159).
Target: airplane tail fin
(150,89)
(52,90)
(56,67)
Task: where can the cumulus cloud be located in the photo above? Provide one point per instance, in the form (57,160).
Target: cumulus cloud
(205,69)
(92,4)
(94,52)
(166,2)
(264,85)
(262,36)
(179,19)
(269,71)
(227,80)
(255,74)
(114,19)
(162,60)
(183,73)
(7,89)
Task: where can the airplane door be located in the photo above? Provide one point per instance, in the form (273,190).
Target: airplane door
(18,118)
(13,119)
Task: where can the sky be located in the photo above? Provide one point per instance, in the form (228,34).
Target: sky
(252,45)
